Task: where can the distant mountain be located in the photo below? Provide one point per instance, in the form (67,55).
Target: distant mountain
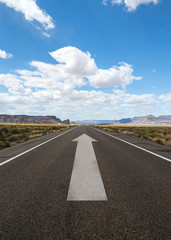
(31,119)
(94,122)
(145,120)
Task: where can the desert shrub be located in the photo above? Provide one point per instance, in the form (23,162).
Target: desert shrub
(4,129)
(115,129)
(159,141)
(4,144)
(14,138)
(161,135)
(17,133)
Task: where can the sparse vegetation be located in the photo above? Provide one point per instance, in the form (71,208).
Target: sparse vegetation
(12,134)
(160,135)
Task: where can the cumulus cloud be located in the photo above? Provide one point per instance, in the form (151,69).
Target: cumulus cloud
(79,104)
(5,55)
(14,85)
(71,70)
(113,77)
(75,62)
(133,100)
(60,89)
(58,80)
(131,5)
(31,12)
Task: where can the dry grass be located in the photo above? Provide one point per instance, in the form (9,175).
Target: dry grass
(161,135)
(12,134)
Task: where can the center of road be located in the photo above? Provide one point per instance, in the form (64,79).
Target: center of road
(86,183)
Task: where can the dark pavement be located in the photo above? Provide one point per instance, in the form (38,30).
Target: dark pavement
(34,190)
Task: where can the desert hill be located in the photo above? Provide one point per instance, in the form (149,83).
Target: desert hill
(137,121)
(21,119)
(145,120)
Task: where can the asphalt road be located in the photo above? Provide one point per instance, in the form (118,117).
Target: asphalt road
(34,189)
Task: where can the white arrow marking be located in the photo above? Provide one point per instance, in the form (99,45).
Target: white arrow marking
(86,183)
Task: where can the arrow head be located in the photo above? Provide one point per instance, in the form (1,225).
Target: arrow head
(84,138)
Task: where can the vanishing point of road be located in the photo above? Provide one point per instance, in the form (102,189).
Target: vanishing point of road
(84,184)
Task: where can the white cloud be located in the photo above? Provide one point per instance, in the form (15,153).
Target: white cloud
(113,77)
(133,100)
(31,12)
(131,4)
(165,97)
(5,55)
(79,104)
(14,85)
(57,89)
(76,63)
(72,68)
(46,34)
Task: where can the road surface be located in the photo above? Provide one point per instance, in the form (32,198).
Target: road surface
(85,184)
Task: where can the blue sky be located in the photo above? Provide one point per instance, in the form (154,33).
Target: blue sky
(84,59)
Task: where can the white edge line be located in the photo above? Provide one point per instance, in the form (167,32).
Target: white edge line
(35,147)
(155,154)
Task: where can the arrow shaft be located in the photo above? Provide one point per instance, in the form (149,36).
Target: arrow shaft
(86,183)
